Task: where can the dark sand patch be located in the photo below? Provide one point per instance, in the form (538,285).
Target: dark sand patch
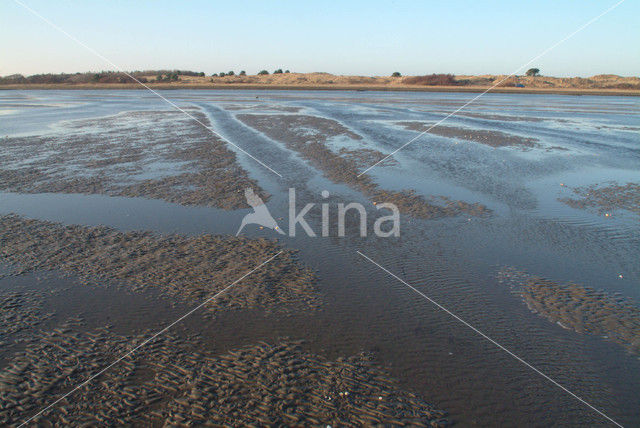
(579,308)
(308,136)
(489,138)
(172,382)
(187,268)
(606,199)
(364,158)
(263,107)
(500,117)
(159,155)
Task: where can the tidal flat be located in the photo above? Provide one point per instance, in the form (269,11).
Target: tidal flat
(120,214)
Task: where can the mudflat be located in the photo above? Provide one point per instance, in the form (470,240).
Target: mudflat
(119,215)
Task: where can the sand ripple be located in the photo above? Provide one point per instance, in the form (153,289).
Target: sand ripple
(187,268)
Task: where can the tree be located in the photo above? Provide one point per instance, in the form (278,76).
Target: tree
(214,75)
(287,71)
(243,73)
(231,73)
(533,72)
(263,72)
(396,74)
(222,74)
(278,71)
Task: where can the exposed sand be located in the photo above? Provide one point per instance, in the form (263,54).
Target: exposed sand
(175,382)
(579,308)
(489,138)
(309,135)
(606,198)
(132,154)
(189,269)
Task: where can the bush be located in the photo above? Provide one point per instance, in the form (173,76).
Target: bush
(214,75)
(432,80)
(263,72)
(231,73)
(396,74)
(243,73)
(286,71)
(533,72)
(222,74)
(186,72)
(14,78)
(278,71)
(624,86)
(201,74)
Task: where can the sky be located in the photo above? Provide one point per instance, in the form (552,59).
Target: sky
(351,37)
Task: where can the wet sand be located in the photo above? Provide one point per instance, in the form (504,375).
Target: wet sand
(186,268)
(175,382)
(489,138)
(20,312)
(161,258)
(309,135)
(606,199)
(133,154)
(579,308)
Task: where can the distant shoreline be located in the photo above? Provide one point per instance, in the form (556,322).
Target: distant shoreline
(385,88)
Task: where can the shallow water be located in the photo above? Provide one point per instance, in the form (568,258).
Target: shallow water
(455,261)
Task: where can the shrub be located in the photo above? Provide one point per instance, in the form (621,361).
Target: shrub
(278,71)
(243,73)
(533,72)
(624,86)
(183,72)
(214,75)
(14,78)
(223,74)
(231,73)
(432,80)
(396,74)
(263,72)
(201,74)
(286,71)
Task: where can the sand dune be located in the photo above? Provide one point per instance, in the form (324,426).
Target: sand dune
(600,84)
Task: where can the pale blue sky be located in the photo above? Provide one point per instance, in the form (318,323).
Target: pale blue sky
(356,37)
